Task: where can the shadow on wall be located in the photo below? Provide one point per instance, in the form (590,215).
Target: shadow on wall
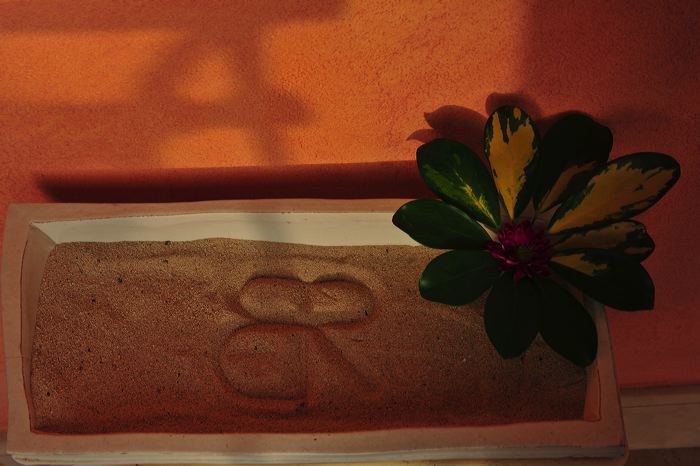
(130,129)
(629,66)
(399,179)
(635,68)
(467,126)
(335,181)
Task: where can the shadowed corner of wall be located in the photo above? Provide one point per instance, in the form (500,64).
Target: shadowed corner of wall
(640,75)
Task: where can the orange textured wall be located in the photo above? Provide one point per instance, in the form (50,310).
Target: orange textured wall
(173,100)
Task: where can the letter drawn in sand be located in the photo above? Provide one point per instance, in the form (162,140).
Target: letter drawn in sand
(270,363)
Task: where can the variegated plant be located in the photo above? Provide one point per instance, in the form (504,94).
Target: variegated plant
(549,212)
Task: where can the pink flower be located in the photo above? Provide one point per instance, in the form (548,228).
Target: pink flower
(522,249)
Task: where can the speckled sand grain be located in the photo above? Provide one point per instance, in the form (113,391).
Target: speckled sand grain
(239,336)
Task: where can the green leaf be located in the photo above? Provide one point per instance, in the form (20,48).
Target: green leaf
(566,325)
(439,225)
(453,172)
(458,277)
(571,151)
(629,238)
(612,278)
(511,315)
(511,142)
(622,189)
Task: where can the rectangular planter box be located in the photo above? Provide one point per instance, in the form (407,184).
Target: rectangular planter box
(33,229)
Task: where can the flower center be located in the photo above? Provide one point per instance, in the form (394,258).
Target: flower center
(524,254)
(522,249)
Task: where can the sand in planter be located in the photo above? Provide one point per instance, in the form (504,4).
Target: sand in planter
(242,336)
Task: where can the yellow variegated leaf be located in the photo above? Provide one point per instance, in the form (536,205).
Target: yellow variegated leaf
(578,261)
(552,196)
(511,142)
(622,189)
(612,278)
(629,238)
(455,173)
(573,149)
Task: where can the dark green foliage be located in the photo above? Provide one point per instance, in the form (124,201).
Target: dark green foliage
(439,225)
(458,277)
(511,315)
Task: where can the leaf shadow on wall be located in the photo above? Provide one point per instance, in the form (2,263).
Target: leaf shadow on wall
(467,126)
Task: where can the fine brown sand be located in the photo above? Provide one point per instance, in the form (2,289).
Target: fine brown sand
(225,335)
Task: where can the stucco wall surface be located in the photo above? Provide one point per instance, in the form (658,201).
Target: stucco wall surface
(172,100)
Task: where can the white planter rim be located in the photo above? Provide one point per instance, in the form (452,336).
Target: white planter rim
(32,229)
